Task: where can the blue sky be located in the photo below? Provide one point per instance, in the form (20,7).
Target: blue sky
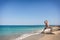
(29,12)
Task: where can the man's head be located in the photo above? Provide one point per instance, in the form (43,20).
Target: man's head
(46,21)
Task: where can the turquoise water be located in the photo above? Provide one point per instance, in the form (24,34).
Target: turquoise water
(19,29)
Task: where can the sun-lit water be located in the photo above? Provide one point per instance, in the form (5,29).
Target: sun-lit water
(19,29)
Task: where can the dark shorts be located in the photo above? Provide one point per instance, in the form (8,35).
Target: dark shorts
(47,27)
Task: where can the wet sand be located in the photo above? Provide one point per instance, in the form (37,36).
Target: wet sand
(55,35)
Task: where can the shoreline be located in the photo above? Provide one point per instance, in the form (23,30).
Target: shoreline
(37,35)
(28,35)
(54,36)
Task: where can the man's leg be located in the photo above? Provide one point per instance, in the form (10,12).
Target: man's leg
(43,30)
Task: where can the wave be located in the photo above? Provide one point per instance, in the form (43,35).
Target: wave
(27,35)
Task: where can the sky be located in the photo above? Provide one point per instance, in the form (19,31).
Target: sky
(29,12)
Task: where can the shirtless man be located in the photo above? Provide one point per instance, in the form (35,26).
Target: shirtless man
(46,26)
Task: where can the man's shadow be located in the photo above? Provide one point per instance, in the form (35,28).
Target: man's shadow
(48,33)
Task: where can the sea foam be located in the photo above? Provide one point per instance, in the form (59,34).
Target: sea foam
(27,35)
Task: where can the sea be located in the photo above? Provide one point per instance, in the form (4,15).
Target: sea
(21,30)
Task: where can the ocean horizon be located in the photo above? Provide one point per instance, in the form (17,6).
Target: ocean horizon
(19,29)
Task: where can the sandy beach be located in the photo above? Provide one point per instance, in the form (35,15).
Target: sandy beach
(55,35)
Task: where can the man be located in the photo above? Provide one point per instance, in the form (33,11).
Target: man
(46,26)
